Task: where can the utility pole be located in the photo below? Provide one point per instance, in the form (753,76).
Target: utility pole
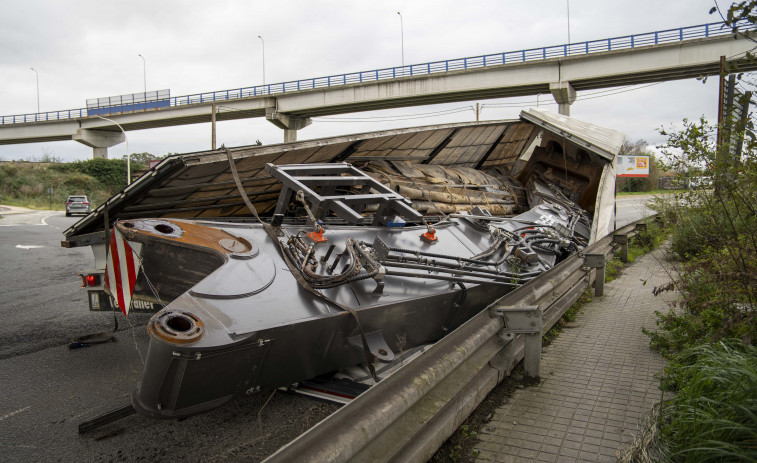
(721,97)
(478,111)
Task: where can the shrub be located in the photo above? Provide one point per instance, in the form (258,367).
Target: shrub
(713,416)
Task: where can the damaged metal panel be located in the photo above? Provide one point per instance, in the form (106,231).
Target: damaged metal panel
(507,151)
(468,146)
(599,140)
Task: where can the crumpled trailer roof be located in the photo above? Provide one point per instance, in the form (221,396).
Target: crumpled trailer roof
(201,185)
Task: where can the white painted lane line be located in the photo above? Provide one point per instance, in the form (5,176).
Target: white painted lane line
(28,246)
(8,415)
(44,219)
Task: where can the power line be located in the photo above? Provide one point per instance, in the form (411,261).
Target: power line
(585,96)
(401,117)
(460,109)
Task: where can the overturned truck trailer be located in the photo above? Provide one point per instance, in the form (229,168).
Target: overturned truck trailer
(271,265)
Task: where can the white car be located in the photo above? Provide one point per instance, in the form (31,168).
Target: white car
(77,204)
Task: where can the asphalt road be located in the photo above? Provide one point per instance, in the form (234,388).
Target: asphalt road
(631,208)
(48,389)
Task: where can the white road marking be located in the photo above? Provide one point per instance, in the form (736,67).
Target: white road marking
(28,246)
(8,415)
(43,220)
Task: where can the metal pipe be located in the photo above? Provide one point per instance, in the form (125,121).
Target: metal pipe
(451,278)
(466,271)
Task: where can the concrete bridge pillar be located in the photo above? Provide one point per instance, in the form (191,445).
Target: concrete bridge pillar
(99,140)
(564,94)
(290,124)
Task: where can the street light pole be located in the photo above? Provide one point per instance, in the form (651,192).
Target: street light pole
(568,2)
(128,156)
(37,73)
(144,72)
(402,34)
(261,39)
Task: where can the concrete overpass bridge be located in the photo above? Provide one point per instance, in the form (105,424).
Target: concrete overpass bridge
(561,70)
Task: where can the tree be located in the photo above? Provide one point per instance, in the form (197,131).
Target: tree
(143,159)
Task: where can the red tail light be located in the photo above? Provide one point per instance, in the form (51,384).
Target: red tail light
(68,203)
(85,203)
(89,280)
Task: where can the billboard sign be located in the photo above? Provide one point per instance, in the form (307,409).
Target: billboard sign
(633,166)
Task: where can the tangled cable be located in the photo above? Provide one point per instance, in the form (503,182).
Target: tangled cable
(357,259)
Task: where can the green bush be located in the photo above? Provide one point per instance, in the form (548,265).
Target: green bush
(26,184)
(111,173)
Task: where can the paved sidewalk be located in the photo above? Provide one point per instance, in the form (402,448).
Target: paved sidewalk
(598,380)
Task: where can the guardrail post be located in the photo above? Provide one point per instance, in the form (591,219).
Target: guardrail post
(622,240)
(527,321)
(597,261)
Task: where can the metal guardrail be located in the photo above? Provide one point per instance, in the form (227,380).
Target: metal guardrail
(496,59)
(409,415)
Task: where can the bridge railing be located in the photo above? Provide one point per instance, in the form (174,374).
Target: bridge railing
(460,64)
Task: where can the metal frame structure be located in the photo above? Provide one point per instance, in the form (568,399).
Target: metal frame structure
(327,179)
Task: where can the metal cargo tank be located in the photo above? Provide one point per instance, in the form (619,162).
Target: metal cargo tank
(276,264)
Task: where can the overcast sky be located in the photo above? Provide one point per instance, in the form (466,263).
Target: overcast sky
(88,49)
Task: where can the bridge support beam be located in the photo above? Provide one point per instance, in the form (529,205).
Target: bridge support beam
(290,124)
(564,94)
(99,140)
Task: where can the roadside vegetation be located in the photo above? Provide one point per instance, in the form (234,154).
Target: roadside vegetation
(709,406)
(46,184)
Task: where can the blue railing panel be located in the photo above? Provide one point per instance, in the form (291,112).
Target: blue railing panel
(497,59)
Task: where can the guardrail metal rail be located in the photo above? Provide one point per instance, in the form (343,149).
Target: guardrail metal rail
(409,415)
